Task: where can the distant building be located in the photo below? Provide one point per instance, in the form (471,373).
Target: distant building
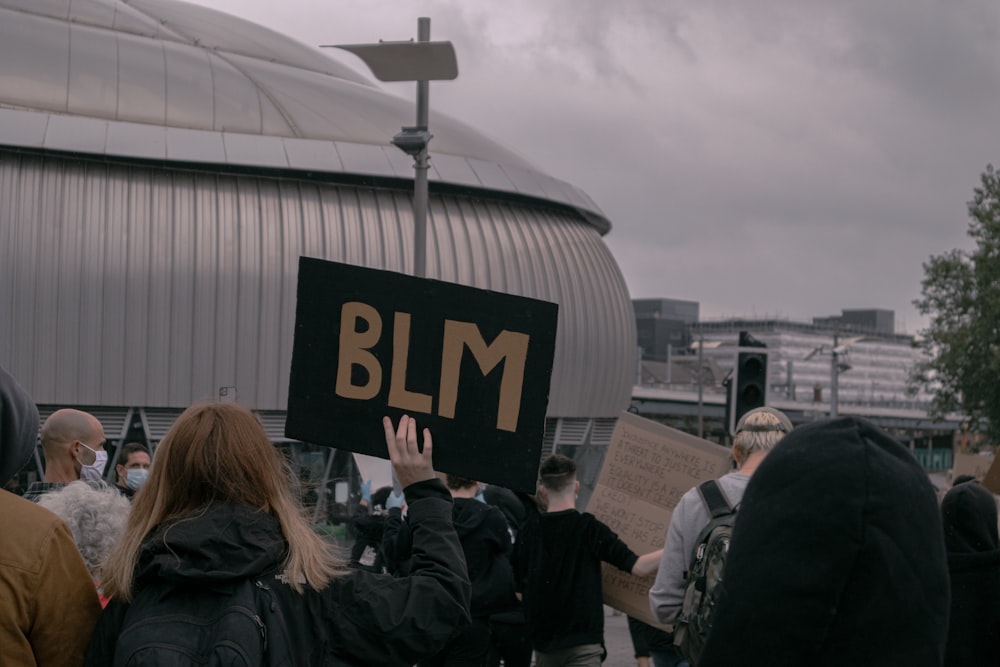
(688,391)
(799,359)
(663,326)
(867,320)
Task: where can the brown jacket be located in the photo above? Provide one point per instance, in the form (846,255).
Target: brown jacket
(48,602)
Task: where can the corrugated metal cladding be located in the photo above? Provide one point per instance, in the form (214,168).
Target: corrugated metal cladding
(153,286)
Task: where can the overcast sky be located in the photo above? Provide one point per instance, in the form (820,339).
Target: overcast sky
(772,158)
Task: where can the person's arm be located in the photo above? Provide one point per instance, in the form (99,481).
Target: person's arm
(382,620)
(606,545)
(397,544)
(647,564)
(66,605)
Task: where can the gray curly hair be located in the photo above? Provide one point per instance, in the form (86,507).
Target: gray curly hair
(96,515)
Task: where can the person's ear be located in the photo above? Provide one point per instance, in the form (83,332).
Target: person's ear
(576,488)
(739,456)
(120,471)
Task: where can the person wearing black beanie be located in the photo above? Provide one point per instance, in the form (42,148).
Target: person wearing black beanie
(48,602)
(969,512)
(837,557)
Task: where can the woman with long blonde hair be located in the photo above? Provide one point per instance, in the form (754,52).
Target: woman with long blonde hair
(217,509)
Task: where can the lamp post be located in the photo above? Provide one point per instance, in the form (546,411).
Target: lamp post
(701,384)
(422,61)
(836,368)
(834,381)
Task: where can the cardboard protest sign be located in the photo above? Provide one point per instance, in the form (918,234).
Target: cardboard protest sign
(991,479)
(471,365)
(647,469)
(977,465)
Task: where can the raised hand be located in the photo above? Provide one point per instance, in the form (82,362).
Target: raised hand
(411,465)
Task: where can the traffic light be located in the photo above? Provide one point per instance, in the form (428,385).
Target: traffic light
(749,382)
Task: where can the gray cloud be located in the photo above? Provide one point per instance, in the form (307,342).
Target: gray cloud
(789,158)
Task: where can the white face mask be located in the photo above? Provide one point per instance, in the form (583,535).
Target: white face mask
(94,472)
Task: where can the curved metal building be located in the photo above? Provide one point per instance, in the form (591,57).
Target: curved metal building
(163,166)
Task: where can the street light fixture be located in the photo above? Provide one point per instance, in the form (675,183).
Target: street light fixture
(422,61)
(837,366)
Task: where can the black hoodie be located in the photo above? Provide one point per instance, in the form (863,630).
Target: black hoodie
(482,530)
(18,427)
(970,532)
(486,542)
(361,618)
(837,557)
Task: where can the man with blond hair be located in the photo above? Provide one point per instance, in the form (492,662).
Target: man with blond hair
(73,444)
(757,432)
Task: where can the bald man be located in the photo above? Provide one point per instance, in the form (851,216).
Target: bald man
(73,444)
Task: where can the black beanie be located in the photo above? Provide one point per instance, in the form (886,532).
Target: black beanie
(18,426)
(837,557)
(970,519)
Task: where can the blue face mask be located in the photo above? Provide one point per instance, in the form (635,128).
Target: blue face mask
(135,478)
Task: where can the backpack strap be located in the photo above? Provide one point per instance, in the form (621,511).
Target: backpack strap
(715,501)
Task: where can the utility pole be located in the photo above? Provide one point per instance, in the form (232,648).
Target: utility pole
(834,378)
(422,61)
(701,383)
(421,163)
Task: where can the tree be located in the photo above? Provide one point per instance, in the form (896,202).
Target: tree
(961,295)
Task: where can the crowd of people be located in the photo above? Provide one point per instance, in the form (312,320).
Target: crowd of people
(839,553)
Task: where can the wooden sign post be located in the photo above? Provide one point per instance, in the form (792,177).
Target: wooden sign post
(471,365)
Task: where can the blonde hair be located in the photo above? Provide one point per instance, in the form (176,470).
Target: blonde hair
(213,453)
(760,430)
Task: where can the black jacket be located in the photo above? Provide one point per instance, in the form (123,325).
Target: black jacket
(557,567)
(361,618)
(970,531)
(482,531)
(837,557)
(366,552)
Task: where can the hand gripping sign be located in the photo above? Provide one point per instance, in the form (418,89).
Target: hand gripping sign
(471,365)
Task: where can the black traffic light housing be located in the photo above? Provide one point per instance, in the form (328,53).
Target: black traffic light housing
(748,387)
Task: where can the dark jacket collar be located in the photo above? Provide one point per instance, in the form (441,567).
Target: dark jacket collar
(222,543)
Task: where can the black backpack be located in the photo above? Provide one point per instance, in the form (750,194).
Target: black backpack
(237,625)
(704,574)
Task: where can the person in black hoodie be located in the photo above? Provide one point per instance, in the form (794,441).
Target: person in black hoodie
(482,530)
(969,512)
(508,627)
(217,509)
(837,557)
(366,529)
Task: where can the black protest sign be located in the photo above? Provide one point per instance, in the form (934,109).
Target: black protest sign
(471,365)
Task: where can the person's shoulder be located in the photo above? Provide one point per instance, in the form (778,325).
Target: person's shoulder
(26,530)
(733,485)
(15,510)
(588,521)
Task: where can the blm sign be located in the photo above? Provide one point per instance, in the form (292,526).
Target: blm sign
(471,365)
